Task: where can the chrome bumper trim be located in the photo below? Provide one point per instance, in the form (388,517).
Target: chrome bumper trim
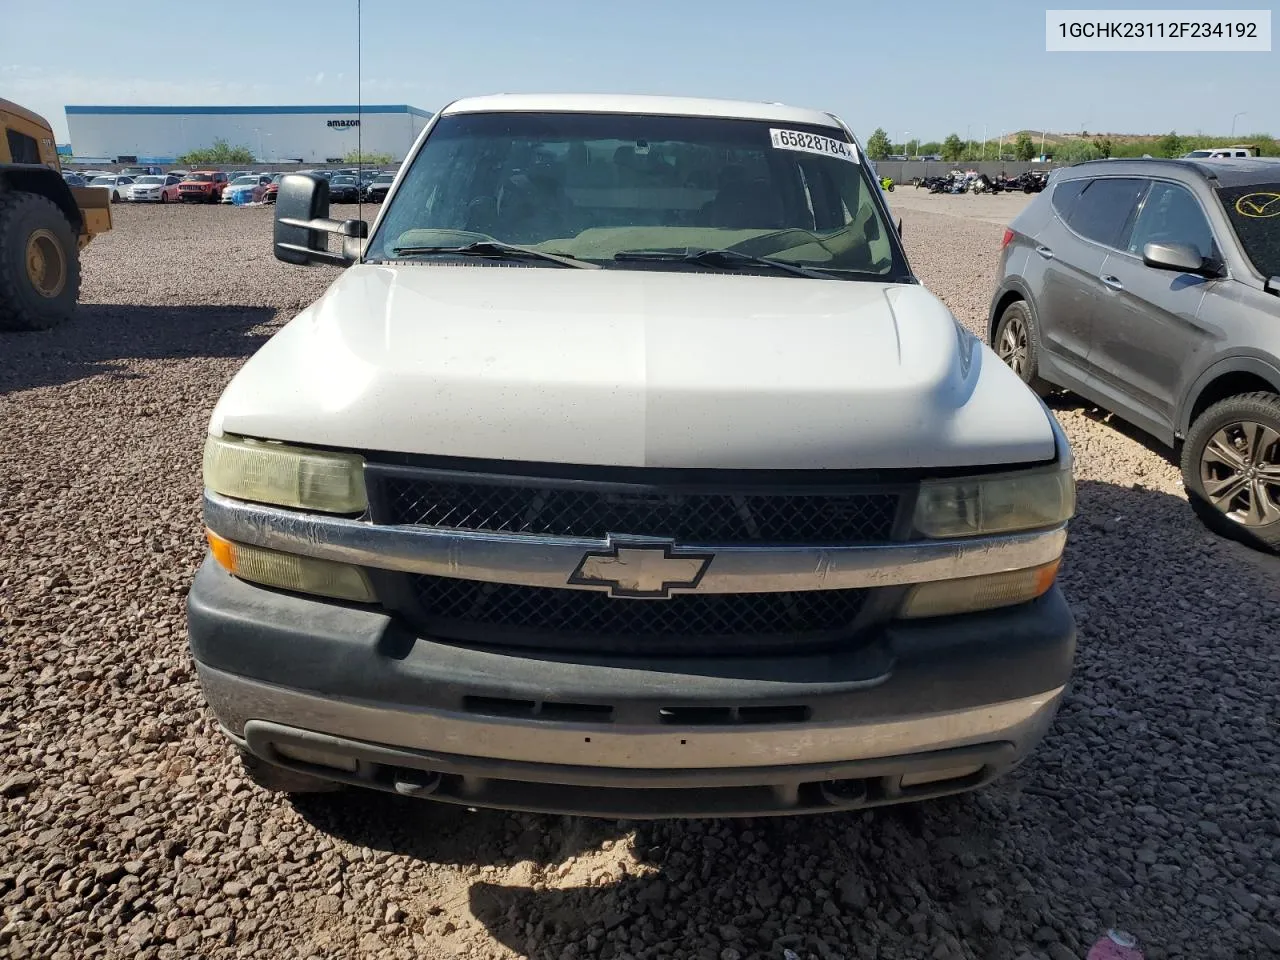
(236,700)
(540,561)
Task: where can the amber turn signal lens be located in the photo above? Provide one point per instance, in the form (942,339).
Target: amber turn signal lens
(289,571)
(971,594)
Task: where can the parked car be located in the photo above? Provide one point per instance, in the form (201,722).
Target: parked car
(376,191)
(202,186)
(663,519)
(237,174)
(116,183)
(180,173)
(141,171)
(74,179)
(155,189)
(344,189)
(248,189)
(93,174)
(271,189)
(1152,287)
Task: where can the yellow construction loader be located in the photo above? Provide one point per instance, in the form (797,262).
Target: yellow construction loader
(43,224)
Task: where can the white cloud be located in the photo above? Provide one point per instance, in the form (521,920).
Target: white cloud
(319,78)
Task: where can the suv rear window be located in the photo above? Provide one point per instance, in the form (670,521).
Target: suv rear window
(1254,213)
(1104,208)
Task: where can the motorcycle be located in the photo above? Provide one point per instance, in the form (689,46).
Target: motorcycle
(886,183)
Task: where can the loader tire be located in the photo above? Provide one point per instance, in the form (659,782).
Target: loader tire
(39,263)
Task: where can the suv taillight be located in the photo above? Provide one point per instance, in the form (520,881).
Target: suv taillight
(1008,236)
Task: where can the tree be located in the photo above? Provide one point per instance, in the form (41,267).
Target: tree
(952,147)
(221,152)
(1023,148)
(878,146)
(1170,145)
(372,159)
(1104,146)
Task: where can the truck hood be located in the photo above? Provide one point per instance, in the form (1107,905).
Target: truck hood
(644,368)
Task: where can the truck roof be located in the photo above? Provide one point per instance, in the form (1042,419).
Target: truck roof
(620,103)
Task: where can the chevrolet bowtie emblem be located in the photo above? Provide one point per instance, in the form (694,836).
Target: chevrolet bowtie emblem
(641,570)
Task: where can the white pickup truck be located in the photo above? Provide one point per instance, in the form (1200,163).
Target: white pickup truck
(628,470)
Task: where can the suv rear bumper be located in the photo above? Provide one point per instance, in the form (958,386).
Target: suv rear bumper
(348,694)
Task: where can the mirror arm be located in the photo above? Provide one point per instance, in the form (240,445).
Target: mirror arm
(344,228)
(322,256)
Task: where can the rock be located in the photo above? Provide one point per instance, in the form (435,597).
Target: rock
(992,919)
(729,933)
(328,905)
(1060,951)
(17,784)
(853,892)
(1044,935)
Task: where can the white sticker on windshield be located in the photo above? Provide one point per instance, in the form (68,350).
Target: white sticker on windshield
(813,143)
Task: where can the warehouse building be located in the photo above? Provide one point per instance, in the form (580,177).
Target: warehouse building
(308,134)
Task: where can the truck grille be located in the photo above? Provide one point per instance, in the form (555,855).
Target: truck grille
(509,614)
(517,505)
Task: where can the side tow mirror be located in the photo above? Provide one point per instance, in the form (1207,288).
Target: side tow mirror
(899,226)
(302,224)
(1272,285)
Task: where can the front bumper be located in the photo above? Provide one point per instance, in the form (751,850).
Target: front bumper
(349,694)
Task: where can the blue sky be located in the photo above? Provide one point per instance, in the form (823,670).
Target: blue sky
(927,67)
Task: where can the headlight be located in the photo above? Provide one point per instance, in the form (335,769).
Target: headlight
(289,571)
(974,506)
(286,476)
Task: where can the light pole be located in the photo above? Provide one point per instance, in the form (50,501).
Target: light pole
(1233,121)
(968,155)
(984,142)
(906,144)
(258,131)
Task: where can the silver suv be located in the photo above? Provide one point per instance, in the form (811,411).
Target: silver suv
(1152,288)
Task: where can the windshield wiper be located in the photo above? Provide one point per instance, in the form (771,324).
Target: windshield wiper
(725,259)
(494,248)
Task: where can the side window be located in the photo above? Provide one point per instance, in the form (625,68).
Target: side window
(1102,211)
(23,149)
(1170,214)
(1065,194)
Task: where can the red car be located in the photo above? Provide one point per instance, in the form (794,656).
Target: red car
(202,186)
(273,187)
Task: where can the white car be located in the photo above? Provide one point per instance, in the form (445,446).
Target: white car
(629,470)
(155,189)
(117,184)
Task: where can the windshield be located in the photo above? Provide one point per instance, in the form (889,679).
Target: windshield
(593,186)
(1199,153)
(198,178)
(343,180)
(245,182)
(1254,212)
(385,178)
(150,180)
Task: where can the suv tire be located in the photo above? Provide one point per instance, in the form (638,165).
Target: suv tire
(1016,342)
(281,780)
(1233,450)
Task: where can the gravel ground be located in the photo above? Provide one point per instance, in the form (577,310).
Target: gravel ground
(125,831)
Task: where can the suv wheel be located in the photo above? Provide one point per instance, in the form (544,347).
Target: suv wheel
(1017,344)
(281,780)
(1231,468)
